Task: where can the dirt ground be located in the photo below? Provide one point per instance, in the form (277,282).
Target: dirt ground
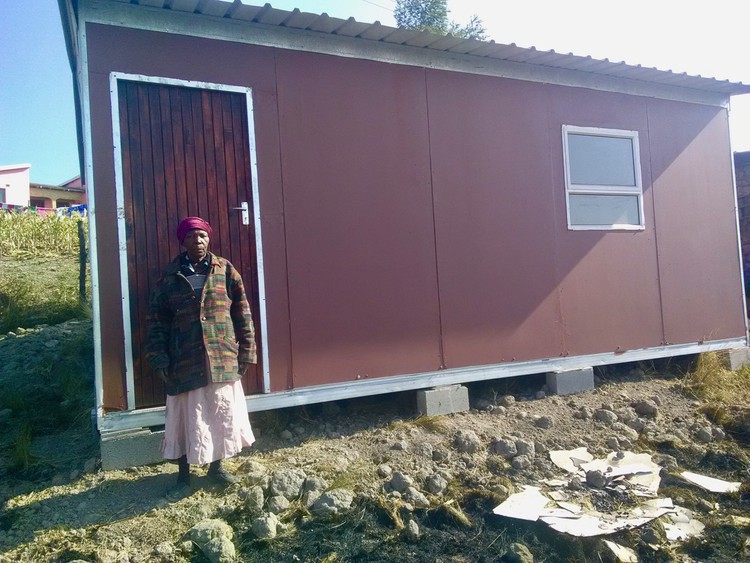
(64,508)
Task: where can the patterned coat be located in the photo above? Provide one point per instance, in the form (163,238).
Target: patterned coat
(185,332)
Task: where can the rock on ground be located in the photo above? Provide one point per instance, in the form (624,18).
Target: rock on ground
(214,538)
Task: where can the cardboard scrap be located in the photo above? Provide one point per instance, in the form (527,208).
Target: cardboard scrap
(658,506)
(526,505)
(570,460)
(570,507)
(554,482)
(622,554)
(626,471)
(557,495)
(645,473)
(636,470)
(557,513)
(710,483)
(682,525)
(590,524)
(572,519)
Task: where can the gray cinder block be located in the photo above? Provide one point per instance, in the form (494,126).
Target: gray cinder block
(571,381)
(130,449)
(736,358)
(443,400)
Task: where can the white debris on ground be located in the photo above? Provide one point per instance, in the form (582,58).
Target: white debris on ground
(618,472)
(622,554)
(711,483)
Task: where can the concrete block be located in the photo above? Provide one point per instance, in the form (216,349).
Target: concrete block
(130,448)
(443,400)
(570,381)
(736,358)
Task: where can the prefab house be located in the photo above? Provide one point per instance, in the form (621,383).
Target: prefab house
(410,210)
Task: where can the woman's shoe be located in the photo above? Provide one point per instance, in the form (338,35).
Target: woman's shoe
(219,475)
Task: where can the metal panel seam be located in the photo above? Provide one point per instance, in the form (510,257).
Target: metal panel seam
(656,231)
(441,347)
(290,373)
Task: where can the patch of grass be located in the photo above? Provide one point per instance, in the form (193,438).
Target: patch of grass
(20,456)
(710,381)
(725,394)
(47,382)
(397,424)
(36,291)
(437,424)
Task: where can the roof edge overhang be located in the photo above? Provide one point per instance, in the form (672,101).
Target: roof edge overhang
(267,26)
(53,187)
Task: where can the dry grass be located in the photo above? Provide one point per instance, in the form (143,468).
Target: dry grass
(713,383)
(725,394)
(436,424)
(24,234)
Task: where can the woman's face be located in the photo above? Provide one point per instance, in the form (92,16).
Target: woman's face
(196,244)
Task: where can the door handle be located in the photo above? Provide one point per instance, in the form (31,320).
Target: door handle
(245,208)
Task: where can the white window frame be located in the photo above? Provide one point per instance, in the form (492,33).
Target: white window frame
(606,190)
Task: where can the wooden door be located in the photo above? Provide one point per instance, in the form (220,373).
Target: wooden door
(185,151)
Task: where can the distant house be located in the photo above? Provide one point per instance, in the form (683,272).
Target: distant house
(14,184)
(68,194)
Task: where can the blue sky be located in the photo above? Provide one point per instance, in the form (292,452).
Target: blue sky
(37,118)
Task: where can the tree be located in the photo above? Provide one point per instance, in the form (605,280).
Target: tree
(432,16)
(472,30)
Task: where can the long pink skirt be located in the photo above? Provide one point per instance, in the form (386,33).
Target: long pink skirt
(207,424)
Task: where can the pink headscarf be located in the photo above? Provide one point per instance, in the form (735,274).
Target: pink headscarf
(190,223)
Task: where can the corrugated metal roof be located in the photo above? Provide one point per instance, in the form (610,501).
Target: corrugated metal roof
(322,23)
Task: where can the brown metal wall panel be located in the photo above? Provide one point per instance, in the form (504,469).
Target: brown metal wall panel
(695,208)
(495,219)
(515,283)
(608,280)
(361,254)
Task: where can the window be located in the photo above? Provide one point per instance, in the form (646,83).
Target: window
(2,195)
(602,179)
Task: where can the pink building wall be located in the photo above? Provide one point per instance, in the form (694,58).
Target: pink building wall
(14,184)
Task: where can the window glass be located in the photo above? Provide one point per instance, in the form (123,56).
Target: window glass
(599,160)
(2,195)
(604,209)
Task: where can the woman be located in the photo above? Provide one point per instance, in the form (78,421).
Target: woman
(200,343)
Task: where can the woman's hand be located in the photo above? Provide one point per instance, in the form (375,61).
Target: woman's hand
(243,367)
(161,373)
